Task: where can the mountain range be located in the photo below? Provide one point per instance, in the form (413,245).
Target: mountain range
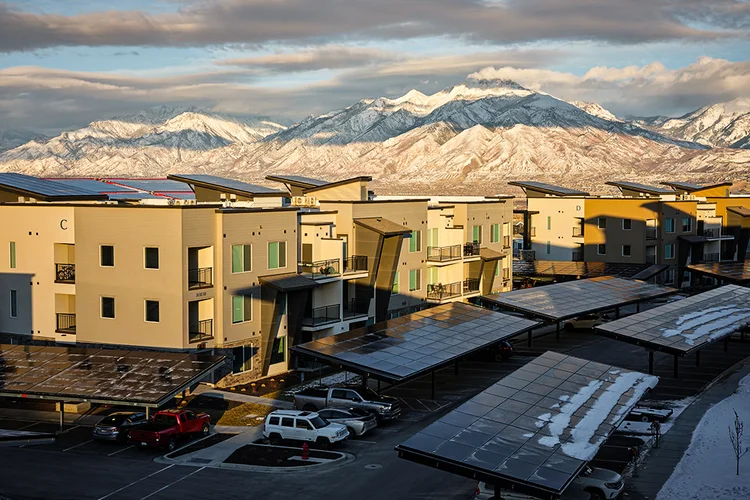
(467,139)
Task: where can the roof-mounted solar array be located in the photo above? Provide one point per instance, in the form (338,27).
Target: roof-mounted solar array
(642,188)
(297,180)
(548,188)
(229,185)
(44,189)
(561,301)
(686,325)
(522,268)
(732,272)
(411,345)
(151,185)
(536,428)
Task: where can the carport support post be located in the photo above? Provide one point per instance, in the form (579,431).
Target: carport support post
(62,416)
(676,365)
(637,307)
(433,384)
(455,369)
(147,412)
(617,312)
(557,331)
(529,339)
(650,362)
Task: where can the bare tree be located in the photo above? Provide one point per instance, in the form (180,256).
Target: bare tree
(735,436)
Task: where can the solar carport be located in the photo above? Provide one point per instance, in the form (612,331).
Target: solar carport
(106,376)
(736,273)
(535,429)
(403,348)
(571,299)
(685,326)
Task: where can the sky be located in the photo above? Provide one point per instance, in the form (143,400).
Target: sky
(65,63)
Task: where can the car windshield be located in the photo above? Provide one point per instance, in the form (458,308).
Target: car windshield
(318,422)
(113,420)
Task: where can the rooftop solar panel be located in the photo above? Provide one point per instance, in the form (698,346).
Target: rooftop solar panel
(43,188)
(105,376)
(230,185)
(151,184)
(686,325)
(298,179)
(548,188)
(644,188)
(534,429)
(93,185)
(733,272)
(524,268)
(417,343)
(574,298)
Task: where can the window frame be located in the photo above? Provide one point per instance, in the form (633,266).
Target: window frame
(495,233)
(479,240)
(630,224)
(690,224)
(666,225)
(101,255)
(278,254)
(395,287)
(417,280)
(671,251)
(145,311)
(415,241)
(599,247)
(244,308)
(247,257)
(630,251)
(549,223)
(145,258)
(13,310)
(548,247)
(599,221)
(101,307)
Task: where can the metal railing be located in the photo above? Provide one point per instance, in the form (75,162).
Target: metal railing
(202,277)
(506,241)
(202,330)
(471,285)
(358,306)
(710,257)
(650,233)
(323,315)
(532,231)
(439,291)
(712,233)
(321,268)
(355,263)
(66,323)
(65,273)
(471,249)
(443,254)
(577,232)
(577,255)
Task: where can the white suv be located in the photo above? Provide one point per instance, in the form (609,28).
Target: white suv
(592,483)
(307,426)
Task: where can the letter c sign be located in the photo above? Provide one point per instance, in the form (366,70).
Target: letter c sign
(64,224)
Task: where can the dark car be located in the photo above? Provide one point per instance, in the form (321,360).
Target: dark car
(358,421)
(500,352)
(117,426)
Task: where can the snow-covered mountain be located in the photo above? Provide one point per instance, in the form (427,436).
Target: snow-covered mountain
(12,138)
(476,135)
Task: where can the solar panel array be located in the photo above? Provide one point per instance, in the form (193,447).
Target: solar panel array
(158,185)
(567,268)
(94,185)
(302,180)
(736,272)
(99,375)
(635,186)
(573,298)
(537,426)
(686,325)
(229,184)
(562,191)
(404,347)
(43,187)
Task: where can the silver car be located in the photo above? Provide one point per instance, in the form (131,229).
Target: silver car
(356,420)
(117,426)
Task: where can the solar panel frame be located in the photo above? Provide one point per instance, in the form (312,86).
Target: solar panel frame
(407,347)
(47,189)
(523,268)
(151,185)
(550,188)
(231,185)
(301,179)
(734,272)
(645,188)
(94,185)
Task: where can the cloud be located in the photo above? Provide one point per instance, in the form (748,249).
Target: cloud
(216,22)
(324,57)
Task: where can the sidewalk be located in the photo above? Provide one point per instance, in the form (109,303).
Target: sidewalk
(216,454)
(204,390)
(661,462)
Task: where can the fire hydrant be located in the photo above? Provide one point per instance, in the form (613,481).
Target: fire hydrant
(305,451)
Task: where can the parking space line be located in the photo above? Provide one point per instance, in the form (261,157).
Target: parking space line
(172,483)
(79,444)
(362,441)
(420,402)
(27,426)
(118,451)
(136,482)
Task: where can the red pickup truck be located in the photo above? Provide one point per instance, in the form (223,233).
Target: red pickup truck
(169,426)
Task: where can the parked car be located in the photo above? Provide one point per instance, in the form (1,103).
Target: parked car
(585,322)
(313,399)
(167,427)
(357,421)
(500,352)
(117,426)
(295,425)
(643,414)
(592,483)
(486,491)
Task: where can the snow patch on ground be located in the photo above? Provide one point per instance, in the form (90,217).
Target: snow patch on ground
(707,470)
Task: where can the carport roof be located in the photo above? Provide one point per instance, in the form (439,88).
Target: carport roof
(734,272)
(579,269)
(536,428)
(687,325)
(405,347)
(570,299)
(107,376)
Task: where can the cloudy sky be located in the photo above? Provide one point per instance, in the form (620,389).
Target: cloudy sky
(64,63)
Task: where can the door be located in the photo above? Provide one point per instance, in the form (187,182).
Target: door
(339,398)
(303,430)
(192,423)
(307,252)
(287,428)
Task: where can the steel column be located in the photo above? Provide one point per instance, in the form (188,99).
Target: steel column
(637,307)
(529,339)
(557,331)
(62,416)
(617,313)
(650,362)
(676,366)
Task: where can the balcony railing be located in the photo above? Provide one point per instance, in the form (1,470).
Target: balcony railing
(66,323)
(65,273)
(710,257)
(577,232)
(471,285)
(577,256)
(444,254)
(650,233)
(202,330)
(322,315)
(200,278)
(471,250)
(506,241)
(712,233)
(358,306)
(355,264)
(320,269)
(441,292)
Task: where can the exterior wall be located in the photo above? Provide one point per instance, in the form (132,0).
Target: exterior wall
(565,214)
(352,191)
(638,210)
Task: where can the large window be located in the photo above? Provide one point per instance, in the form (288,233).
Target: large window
(669,225)
(152,311)
(476,234)
(107,256)
(627,224)
(602,223)
(415,279)
(278,352)
(494,233)
(432,237)
(276,254)
(242,308)
(242,358)
(13,303)
(549,247)
(394,290)
(432,275)
(687,224)
(601,249)
(151,258)
(415,242)
(242,258)
(669,251)
(626,250)
(12,254)
(108,307)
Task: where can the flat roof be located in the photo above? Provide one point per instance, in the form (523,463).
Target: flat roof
(228,185)
(402,348)
(686,325)
(734,272)
(44,189)
(570,299)
(106,376)
(543,187)
(523,268)
(642,188)
(535,429)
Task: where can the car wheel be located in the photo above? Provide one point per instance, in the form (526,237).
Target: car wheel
(310,407)
(596,494)
(171,445)
(323,443)
(569,327)
(205,430)
(352,434)
(644,418)
(274,439)
(124,436)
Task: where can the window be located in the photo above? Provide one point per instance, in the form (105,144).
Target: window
(602,223)
(601,249)
(150,258)
(242,308)
(549,223)
(669,225)
(12,254)
(687,224)
(627,224)
(272,420)
(278,352)
(190,415)
(432,275)
(415,279)
(669,251)
(242,359)
(152,311)
(626,250)
(494,233)
(108,307)
(276,254)
(669,277)
(14,303)
(287,422)
(549,247)
(394,290)
(415,242)
(303,424)
(432,237)
(242,258)
(107,256)
(497,268)
(476,234)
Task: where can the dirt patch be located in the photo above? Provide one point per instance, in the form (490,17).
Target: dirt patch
(201,445)
(274,456)
(228,412)
(269,387)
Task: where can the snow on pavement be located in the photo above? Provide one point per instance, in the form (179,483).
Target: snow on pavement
(707,469)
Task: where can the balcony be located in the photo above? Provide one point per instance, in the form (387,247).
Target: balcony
(355,264)
(471,250)
(320,269)
(711,257)
(65,273)
(202,277)
(506,241)
(356,307)
(577,232)
(471,285)
(444,254)
(66,323)
(201,331)
(320,316)
(577,256)
(443,292)
(650,233)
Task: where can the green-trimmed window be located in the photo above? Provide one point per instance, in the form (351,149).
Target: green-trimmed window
(12,254)
(494,233)
(242,308)
(476,234)
(415,279)
(242,258)
(415,242)
(276,254)
(394,290)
